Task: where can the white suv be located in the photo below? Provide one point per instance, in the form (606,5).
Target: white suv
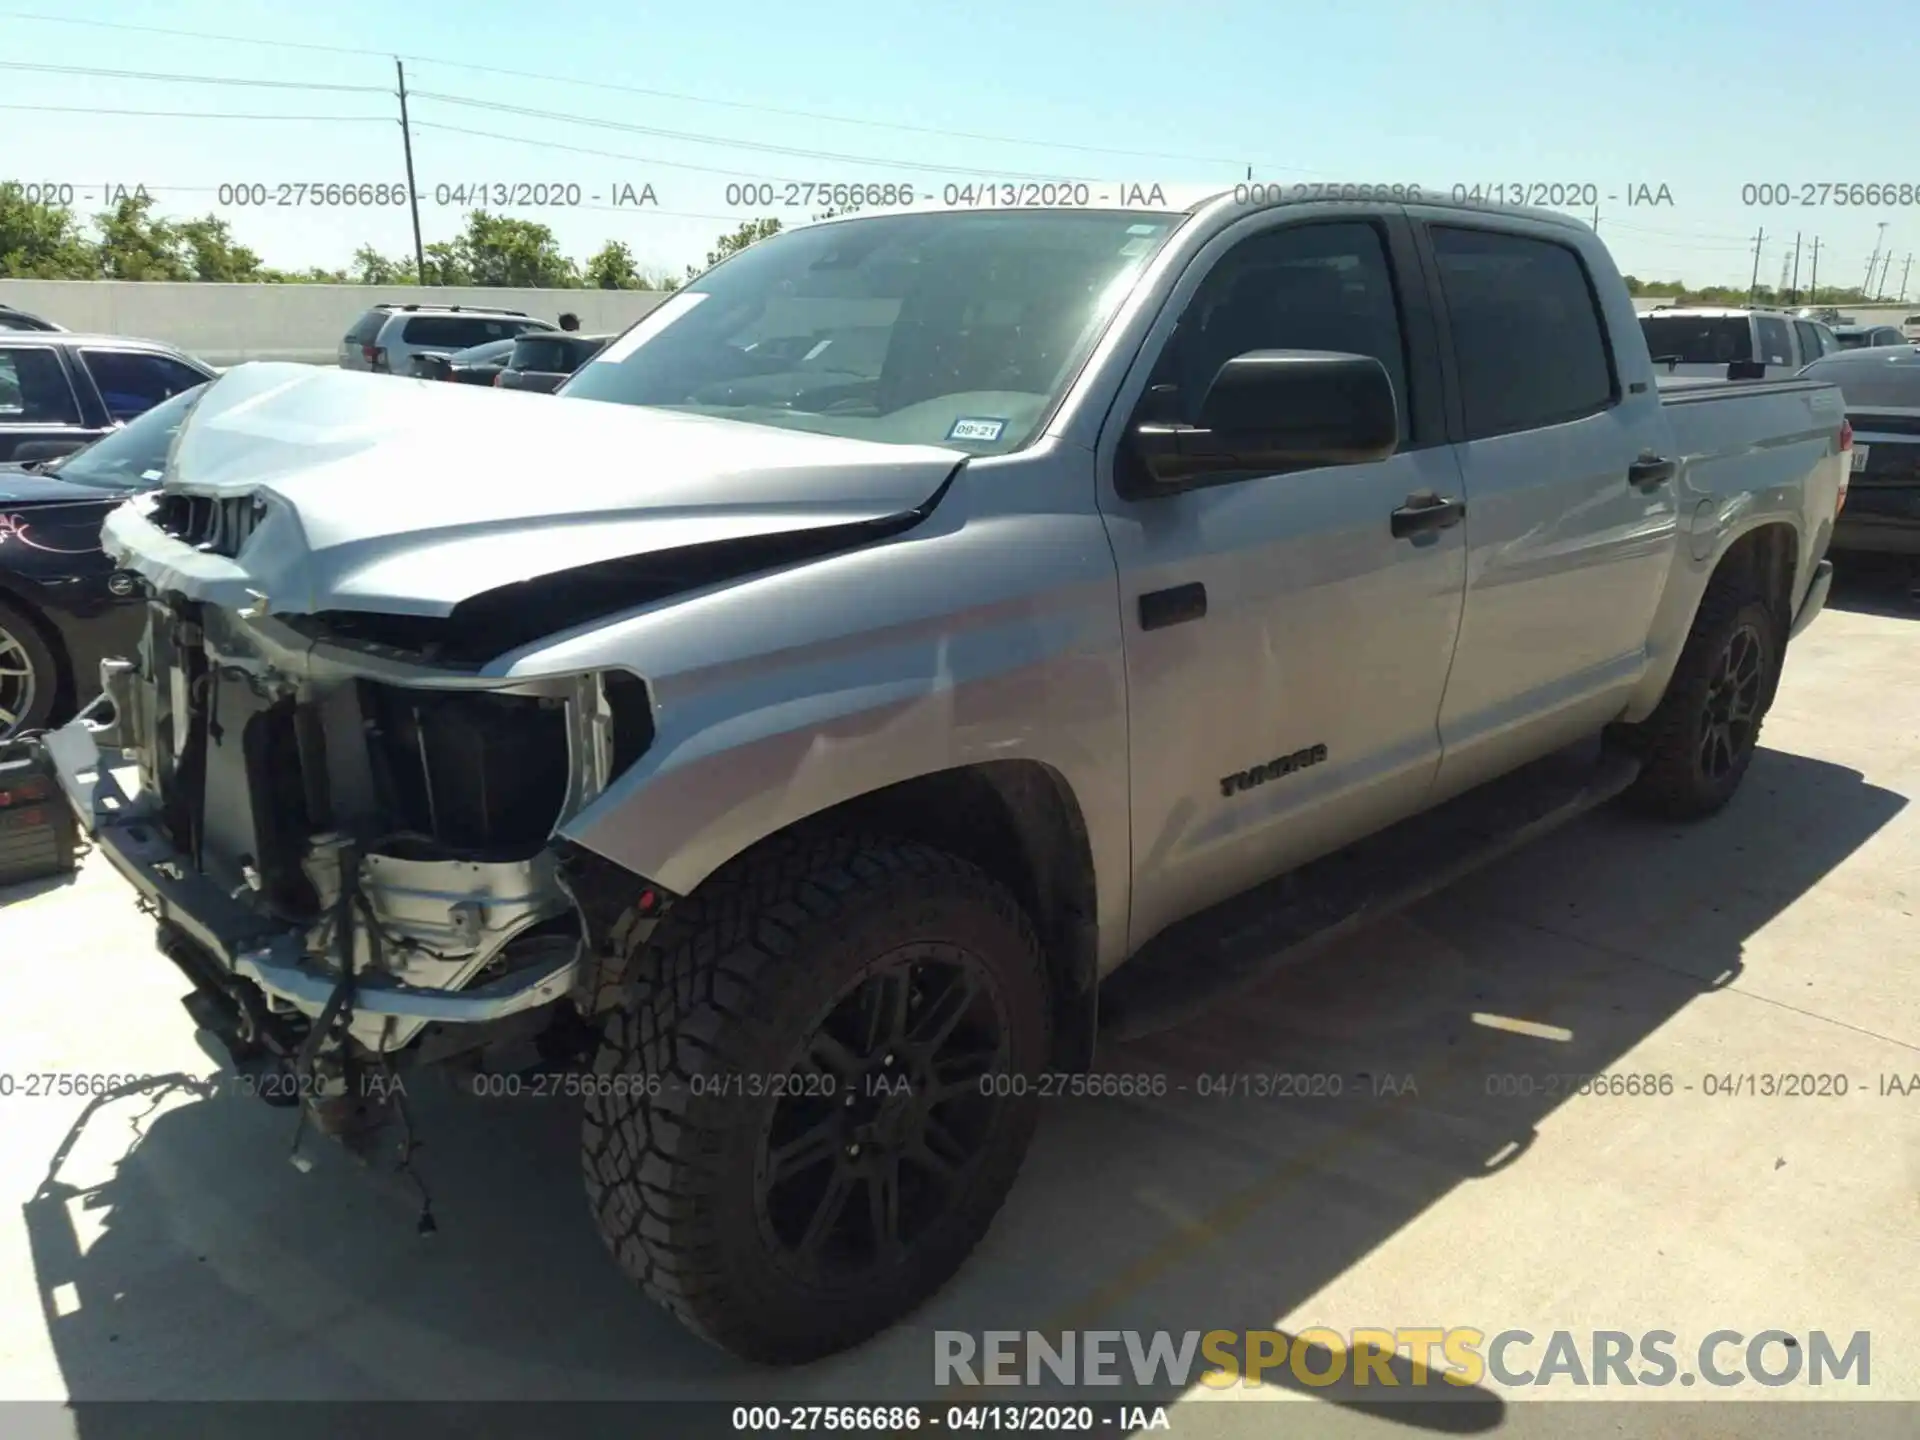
(387,337)
(1910,327)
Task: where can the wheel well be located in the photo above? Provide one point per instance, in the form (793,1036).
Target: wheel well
(1019,822)
(50,637)
(1764,559)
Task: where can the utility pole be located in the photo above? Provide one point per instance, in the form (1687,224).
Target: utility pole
(1796,269)
(1753,285)
(1813,285)
(1596,218)
(413,192)
(1874,259)
(1906,265)
(1885,265)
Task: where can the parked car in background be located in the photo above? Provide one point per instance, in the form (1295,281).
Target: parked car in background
(1910,327)
(543,362)
(1868,337)
(60,391)
(1733,343)
(61,609)
(12,319)
(1881,386)
(1825,314)
(477,365)
(386,338)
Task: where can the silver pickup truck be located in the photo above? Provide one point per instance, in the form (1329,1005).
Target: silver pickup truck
(925,635)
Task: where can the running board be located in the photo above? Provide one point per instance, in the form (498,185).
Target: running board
(1199,962)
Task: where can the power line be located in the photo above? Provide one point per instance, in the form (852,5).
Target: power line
(602,154)
(194,114)
(731,144)
(575,82)
(192,79)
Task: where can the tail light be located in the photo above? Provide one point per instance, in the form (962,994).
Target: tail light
(498,376)
(1846,470)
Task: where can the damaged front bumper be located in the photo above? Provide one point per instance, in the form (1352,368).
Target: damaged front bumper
(273,958)
(302,816)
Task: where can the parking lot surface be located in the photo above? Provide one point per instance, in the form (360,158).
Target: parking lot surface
(159,1244)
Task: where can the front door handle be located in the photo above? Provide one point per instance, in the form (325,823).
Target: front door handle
(1427,512)
(1649,471)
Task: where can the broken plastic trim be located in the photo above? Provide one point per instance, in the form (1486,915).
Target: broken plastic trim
(504,619)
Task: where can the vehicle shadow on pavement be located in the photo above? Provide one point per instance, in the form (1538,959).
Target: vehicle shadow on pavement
(200,1264)
(1886,585)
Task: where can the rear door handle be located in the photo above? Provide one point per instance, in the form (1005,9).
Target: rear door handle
(1161,608)
(1649,471)
(1424,513)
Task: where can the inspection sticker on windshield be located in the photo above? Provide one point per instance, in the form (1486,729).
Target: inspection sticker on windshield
(977,427)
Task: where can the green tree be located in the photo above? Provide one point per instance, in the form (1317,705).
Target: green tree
(498,250)
(370,267)
(42,242)
(134,245)
(614,268)
(212,253)
(750,233)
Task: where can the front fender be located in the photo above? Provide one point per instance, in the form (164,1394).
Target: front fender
(975,637)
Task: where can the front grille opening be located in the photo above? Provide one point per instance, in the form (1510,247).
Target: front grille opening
(632,717)
(219,526)
(467,773)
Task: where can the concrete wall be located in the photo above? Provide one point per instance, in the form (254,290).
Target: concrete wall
(226,324)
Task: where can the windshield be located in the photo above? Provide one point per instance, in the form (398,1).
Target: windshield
(1698,339)
(935,329)
(132,457)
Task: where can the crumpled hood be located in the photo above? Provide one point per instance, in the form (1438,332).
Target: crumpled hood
(404,496)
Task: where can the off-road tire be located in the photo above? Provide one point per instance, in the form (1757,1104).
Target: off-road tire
(1674,784)
(20,635)
(728,991)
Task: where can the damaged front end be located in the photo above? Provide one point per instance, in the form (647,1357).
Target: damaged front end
(354,855)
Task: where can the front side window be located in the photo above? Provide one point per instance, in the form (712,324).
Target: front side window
(34,388)
(1302,287)
(945,328)
(1528,338)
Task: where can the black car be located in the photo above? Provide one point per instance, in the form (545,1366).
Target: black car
(63,609)
(13,319)
(477,365)
(1881,387)
(59,391)
(541,362)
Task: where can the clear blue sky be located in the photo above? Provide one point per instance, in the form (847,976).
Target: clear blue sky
(1701,96)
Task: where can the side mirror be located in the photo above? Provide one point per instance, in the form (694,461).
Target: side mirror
(1273,410)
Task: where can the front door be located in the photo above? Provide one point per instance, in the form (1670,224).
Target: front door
(1286,653)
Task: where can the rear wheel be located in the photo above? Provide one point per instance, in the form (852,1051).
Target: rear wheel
(29,674)
(1696,746)
(821,1119)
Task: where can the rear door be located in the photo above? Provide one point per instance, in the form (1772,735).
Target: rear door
(1567,554)
(1276,617)
(40,414)
(1774,338)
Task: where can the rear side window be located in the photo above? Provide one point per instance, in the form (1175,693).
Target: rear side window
(367,328)
(1810,348)
(547,353)
(132,383)
(1698,339)
(1528,339)
(1776,344)
(34,388)
(457,332)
